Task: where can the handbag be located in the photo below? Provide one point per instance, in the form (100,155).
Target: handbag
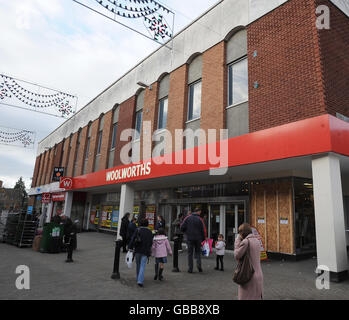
(244,270)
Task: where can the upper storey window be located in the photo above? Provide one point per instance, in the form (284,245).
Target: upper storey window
(237,68)
(139,115)
(194,88)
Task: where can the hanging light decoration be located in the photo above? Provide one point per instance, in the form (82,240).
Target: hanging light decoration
(17,137)
(153,14)
(26,95)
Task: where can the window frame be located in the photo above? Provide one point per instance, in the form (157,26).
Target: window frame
(230,86)
(161,101)
(138,137)
(192,85)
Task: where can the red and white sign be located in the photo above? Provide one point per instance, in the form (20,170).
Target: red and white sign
(46,198)
(58,196)
(66,183)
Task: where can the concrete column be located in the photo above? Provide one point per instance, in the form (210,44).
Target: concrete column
(329,216)
(126,204)
(68,203)
(88,206)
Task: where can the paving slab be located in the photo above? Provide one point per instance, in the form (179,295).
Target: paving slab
(89,277)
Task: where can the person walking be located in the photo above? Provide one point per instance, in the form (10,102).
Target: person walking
(123,230)
(70,231)
(194,229)
(220,250)
(132,227)
(160,224)
(160,249)
(141,243)
(177,230)
(252,290)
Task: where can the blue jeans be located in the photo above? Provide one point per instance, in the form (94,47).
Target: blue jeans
(141,261)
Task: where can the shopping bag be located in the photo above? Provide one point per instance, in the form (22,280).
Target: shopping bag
(129,259)
(210,243)
(205,249)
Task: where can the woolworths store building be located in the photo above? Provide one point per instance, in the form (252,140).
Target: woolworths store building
(267,74)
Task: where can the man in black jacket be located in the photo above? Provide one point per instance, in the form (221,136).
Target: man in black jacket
(193,227)
(123,230)
(141,243)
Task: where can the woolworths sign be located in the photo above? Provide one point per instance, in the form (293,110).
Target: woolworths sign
(130,172)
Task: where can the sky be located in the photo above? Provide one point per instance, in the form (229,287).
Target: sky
(61,45)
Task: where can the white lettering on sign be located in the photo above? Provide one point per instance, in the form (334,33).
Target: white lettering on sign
(129,172)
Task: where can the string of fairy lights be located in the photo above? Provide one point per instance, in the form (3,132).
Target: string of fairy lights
(17,137)
(33,97)
(154,15)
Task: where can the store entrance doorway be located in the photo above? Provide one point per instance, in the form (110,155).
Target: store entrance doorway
(235,215)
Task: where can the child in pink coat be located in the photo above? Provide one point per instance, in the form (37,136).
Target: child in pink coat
(161,247)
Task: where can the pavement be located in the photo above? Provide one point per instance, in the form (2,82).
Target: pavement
(89,277)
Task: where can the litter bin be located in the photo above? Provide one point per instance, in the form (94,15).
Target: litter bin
(52,238)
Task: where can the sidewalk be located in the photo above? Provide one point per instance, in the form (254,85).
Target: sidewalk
(89,277)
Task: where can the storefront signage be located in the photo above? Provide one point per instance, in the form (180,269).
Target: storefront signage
(58,172)
(58,197)
(66,183)
(30,210)
(46,198)
(134,171)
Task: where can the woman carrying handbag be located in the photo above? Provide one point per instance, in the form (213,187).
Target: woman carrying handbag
(247,252)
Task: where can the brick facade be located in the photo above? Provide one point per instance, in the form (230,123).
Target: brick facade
(105,148)
(287,66)
(150,113)
(301,72)
(126,121)
(177,101)
(214,84)
(81,151)
(334,50)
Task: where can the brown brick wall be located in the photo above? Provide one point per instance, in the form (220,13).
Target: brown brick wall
(66,155)
(334,49)
(103,161)
(81,152)
(44,168)
(71,160)
(177,100)
(41,169)
(50,166)
(57,159)
(93,146)
(150,113)
(214,74)
(126,121)
(287,66)
(36,171)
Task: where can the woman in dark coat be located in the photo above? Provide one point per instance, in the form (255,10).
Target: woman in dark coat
(123,230)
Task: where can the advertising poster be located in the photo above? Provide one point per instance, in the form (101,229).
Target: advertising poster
(150,216)
(263,252)
(104,217)
(109,211)
(98,208)
(136,212)
(115,218)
